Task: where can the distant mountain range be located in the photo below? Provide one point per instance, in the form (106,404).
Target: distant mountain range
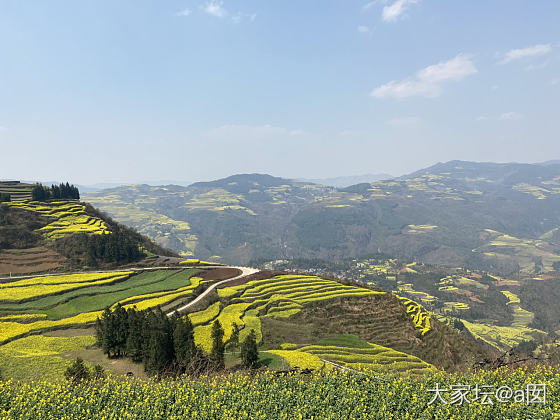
(500,217)
(346,181)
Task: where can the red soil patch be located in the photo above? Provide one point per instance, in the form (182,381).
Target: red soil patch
(221,273)
(30,260)
(261,275)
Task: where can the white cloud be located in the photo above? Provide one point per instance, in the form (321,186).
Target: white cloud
(482,118)
(363,29)
(2,128)
(253,132)
(429,81)
(395,10)
(184,12)
(215,8)
(403,121)
(554,82)
(510,116)
(518,54)
(370,4)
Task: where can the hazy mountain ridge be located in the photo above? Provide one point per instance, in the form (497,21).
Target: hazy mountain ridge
(437,215)
(346,181)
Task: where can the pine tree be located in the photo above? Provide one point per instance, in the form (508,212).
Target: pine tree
(217,354)
(233,342)
(135,339)
(77,371)
(99,331)
(183,341)
(159,353)
(108,336)
(250,352)
(121,329)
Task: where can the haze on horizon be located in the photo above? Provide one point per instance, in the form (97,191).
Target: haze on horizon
(131,91)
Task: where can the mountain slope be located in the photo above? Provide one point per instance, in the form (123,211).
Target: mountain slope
(480,215)
(40,236)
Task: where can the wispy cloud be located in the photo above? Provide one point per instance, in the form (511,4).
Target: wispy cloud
(363,29)
(554,82)
(510,116)
(2,128)
(521,53)
(184,12)
(429,81)
(393,11)
(371,4)
(215,8)
(238,17)
(403,121)
(506,116)
(396,10)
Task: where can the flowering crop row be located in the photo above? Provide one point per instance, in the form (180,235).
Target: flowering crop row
(11,330)
(64,279)
(330,396)
(17,294)
(71,217)
(420,317)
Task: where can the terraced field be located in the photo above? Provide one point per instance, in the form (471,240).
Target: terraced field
(69,216)
(18,191)
(278,308)
(276,297)
(29,260)
(39,304)
(500,311)
(533,255)
(352,352)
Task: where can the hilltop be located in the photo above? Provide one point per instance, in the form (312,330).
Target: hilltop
(56,234)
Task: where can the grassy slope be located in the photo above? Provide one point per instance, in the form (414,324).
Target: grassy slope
(378,319)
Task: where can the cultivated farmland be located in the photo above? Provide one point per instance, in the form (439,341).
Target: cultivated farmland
(68,217)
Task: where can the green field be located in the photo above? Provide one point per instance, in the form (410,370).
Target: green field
(64,301)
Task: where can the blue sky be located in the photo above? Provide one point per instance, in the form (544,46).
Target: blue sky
(129,91)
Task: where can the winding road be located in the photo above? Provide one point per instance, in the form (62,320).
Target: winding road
(245,271)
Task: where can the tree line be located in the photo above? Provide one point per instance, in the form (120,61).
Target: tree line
(5,197)
(165,345)
(54,192)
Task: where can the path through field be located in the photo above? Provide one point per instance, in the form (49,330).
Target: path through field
(245,271)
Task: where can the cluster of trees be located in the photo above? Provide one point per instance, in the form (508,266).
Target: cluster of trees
(5,197)
(119,247)
(165,345)
(61,191)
